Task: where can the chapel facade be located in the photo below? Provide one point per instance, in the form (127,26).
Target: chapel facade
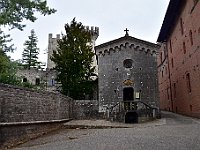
(127,73)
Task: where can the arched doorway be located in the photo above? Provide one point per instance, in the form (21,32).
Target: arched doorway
(131,117)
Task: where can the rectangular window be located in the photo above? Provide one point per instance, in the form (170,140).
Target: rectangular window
(168,93)
(191,37)
(184,48)
(181,25)
(170,46)
(188,83)
(172,61)
(165,50)
(174,90)
(37,81)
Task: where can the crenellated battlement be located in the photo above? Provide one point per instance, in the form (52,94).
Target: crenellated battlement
(124,46)
(93,30)
(51,36)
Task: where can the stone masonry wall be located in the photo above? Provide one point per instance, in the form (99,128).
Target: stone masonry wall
(25,113)
(112,73)
(86,109)
(25,105)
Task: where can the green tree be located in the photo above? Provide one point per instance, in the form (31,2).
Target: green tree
(4,40)
(73,60)
(4,62)
(31,51)
(8,70)
(13,12)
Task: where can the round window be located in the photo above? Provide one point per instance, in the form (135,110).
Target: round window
(128,63)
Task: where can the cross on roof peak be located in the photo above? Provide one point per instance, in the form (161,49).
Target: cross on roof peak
(126,30)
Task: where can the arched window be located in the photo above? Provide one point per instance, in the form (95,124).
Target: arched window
(128,63)
(37,81)
(52,81)
(25,79)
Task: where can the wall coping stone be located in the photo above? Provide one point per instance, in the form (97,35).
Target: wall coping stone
(33,122)
(32,90)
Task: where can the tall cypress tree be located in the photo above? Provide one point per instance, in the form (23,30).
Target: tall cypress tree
(31,51)
(73,60)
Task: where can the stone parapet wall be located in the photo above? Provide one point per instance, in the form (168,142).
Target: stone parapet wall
(26,113)
(26,105)
(13,135)
(86,109)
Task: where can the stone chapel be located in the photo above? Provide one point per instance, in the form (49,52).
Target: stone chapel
(127,72)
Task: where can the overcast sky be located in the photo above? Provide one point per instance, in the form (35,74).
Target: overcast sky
(143,18)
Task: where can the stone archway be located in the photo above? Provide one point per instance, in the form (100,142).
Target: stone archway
(131,117)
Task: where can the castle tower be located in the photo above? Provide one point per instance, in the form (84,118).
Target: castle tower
(95,33)
(52,45)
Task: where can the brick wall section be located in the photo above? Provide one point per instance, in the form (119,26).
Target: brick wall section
(185,61)
(26,105)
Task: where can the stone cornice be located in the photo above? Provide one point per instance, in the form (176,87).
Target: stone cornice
(126,42)
(127,38)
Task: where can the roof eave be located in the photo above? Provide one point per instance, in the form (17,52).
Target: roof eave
(170,19)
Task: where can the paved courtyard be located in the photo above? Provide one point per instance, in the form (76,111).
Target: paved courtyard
(172,132)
